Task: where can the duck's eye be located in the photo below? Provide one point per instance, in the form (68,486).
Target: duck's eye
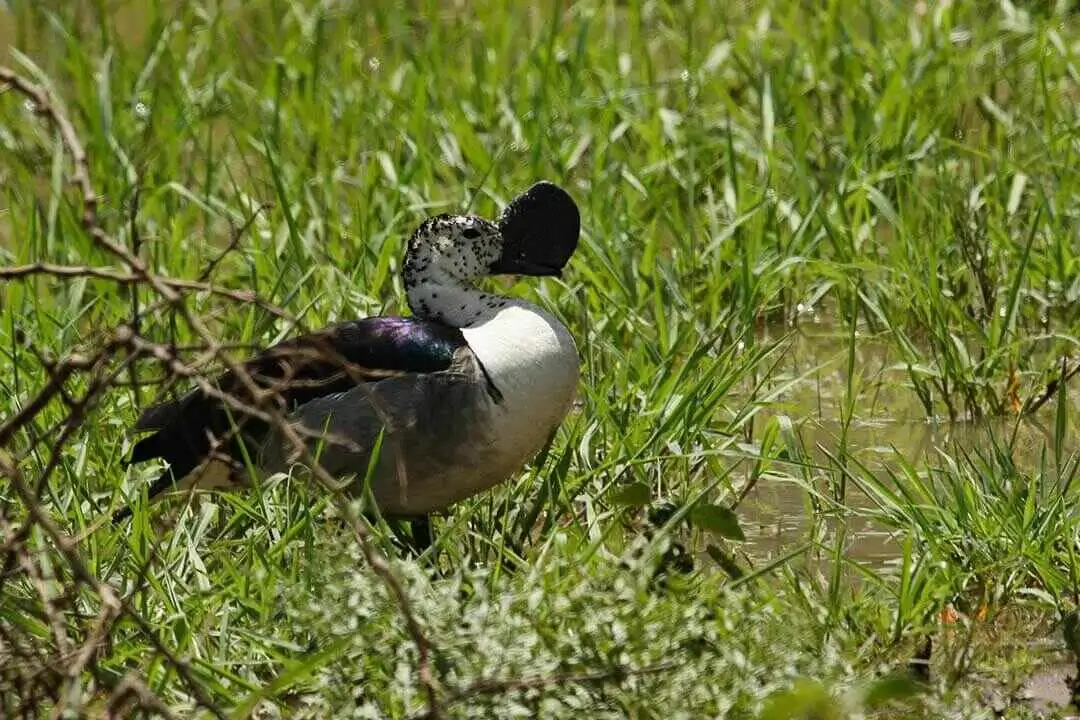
(470,233)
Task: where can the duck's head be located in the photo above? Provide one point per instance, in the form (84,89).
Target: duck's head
(535,235)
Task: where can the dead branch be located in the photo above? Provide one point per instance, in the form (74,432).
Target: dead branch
(235,237)
(172,293)
(124,278)
(1052,388)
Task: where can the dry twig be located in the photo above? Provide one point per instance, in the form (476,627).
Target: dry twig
(104,373)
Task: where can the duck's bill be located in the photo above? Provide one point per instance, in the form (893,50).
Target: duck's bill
(522,266)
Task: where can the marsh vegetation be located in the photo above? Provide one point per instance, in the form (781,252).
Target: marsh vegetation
(823,461)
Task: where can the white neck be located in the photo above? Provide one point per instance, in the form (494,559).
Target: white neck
(531,359)
(454,303)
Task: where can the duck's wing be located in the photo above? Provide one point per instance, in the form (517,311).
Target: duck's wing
(192,428)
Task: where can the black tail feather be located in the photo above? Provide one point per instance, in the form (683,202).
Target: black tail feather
(167,479)
(145,449)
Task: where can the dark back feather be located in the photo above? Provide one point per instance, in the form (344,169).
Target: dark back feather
(288,375)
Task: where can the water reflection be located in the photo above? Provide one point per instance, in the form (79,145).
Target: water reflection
(886,422)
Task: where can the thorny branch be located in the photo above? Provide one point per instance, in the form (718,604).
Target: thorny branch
(122,278)
(235,238)
(172,293)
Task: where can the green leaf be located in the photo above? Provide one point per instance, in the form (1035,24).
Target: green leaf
(807,699)
(633,495)
(719,520)
(898,686)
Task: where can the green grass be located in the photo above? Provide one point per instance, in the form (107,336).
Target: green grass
(796,216)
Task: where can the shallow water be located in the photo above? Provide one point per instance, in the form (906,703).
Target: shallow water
(887,422)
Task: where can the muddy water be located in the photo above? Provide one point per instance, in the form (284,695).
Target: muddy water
(776,514)
(885,422)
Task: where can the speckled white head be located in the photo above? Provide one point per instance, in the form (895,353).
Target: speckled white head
(536,235)
(446,255)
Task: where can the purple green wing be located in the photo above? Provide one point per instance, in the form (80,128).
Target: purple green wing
(293,372)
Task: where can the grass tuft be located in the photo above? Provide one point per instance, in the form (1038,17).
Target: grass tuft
(826,298)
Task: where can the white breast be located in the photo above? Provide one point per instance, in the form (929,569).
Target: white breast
(531,358)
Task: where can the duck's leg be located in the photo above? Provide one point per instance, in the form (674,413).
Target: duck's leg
(419,537)
(420,527)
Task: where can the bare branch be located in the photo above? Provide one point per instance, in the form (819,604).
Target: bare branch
(235,237)
(255,402)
